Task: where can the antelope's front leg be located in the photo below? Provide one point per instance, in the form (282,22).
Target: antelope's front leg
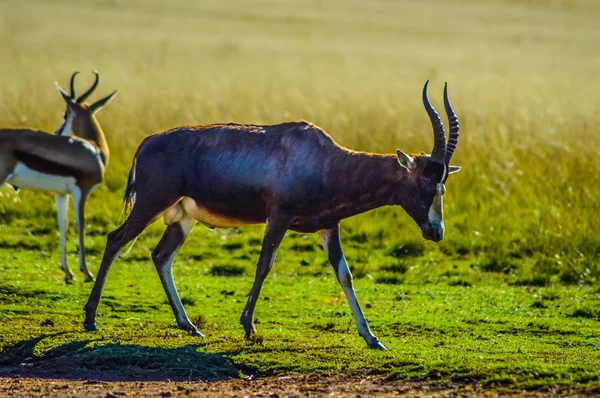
(62,207)
(330,239)
(277,224)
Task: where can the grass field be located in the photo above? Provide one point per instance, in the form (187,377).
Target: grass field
(510,299)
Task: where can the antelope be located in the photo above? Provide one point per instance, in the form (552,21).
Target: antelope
(71,162)
(291,176)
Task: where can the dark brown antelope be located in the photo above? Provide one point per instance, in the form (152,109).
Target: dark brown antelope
(289,176)
(70,162)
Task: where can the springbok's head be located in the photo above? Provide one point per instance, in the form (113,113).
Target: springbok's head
(427,174)
(80,116)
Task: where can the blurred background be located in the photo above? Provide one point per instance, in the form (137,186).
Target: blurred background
(522,75)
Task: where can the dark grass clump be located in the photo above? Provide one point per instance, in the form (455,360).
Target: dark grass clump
(232,246)
(396,268)
(201,321)
(496,265)
(303,247)
(585,312)
(389,279)
(228,270)
(408,249)
(538,304)
(536,280)
(460,282)
(188,301)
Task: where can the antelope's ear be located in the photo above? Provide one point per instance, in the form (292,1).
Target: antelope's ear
(96,106)
(405,160)
(454,169)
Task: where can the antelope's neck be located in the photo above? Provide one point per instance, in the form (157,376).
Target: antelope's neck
(366,181)
(94,133)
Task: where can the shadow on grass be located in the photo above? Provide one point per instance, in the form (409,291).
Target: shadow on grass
(85,360)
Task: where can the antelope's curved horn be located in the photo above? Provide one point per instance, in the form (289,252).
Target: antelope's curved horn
(453,121)
(89,90)
(73,93)
(439,137)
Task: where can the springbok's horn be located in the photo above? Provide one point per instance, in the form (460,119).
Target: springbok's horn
(89,90)
(453,121)
(439,137)
(73,93)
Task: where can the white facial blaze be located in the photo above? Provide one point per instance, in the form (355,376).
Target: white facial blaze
(436,209)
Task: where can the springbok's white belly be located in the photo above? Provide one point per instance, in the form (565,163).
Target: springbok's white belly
(26,178)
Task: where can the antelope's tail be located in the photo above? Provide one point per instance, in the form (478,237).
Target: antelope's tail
(129,198)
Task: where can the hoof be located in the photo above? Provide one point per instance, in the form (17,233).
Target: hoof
(376,345)
(250,332)
(255,338)
(70,281)
(194,332)
(90,327)
(90,278)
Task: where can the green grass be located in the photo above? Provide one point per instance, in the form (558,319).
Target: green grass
(436,326)
(510,298)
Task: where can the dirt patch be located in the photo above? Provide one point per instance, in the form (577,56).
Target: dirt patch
(287,386)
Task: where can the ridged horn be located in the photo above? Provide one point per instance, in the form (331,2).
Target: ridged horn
(439,137)
(453,121)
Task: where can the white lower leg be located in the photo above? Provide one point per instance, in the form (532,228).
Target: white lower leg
(345,279)
(62,207)
(79,204)
(166,275)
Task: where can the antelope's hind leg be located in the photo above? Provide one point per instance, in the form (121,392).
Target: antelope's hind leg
(142,214)
(62,208)
(79,199)
(163,256)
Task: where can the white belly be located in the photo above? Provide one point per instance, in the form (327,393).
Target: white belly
(26,178)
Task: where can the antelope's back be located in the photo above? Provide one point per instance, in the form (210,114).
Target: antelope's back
(243,160)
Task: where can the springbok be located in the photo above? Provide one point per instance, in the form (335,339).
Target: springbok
(70,162)
(289,176)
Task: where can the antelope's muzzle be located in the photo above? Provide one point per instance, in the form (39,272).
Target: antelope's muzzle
(433,232)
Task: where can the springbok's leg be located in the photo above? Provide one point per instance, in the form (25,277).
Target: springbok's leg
(330,239)
(137,221)
(163,256)
(62,208)
(79,198)
(277,224)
